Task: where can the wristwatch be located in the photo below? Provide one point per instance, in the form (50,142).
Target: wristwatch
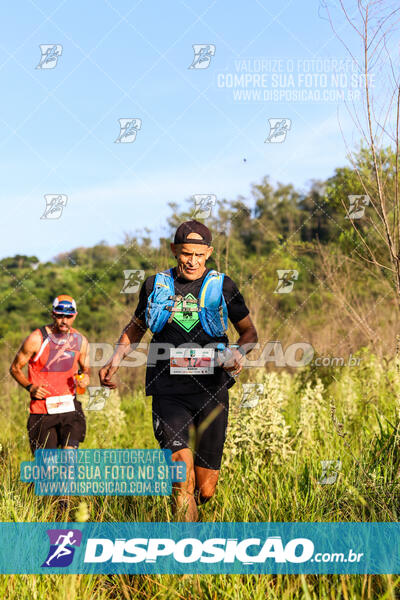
(28,387)
(239,349)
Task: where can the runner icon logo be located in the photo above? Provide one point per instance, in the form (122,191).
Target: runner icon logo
(202,56)
(128,130)
(55,204)
(357,206)
(62,542)
(286,279)
(50,54)
(330,471)
(133,277)
(98,396)
(278,129)
(252,392)
(203,204)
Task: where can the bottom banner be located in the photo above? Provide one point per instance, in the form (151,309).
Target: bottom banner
(216,548)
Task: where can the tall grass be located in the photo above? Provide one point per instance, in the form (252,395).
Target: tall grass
(270,472)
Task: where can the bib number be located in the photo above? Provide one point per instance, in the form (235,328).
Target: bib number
(192,361)
(60,404)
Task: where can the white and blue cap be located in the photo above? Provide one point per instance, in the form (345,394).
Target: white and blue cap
(64,305)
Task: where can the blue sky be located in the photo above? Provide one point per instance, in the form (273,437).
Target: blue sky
(125,59)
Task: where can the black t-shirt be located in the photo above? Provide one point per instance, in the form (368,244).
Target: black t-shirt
(183,329)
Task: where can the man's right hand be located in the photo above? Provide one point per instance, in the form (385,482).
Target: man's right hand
(105,375)
(132,334)
(39,391)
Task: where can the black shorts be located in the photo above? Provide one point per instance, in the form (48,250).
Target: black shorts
(201,417)
(51,431)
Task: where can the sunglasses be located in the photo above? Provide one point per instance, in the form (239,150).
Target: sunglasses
(61,315)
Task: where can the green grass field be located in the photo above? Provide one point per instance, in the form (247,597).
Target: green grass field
(270,472)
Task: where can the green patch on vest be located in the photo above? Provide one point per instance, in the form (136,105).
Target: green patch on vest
(187,320)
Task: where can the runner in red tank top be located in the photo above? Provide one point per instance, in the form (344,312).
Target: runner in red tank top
(54,354)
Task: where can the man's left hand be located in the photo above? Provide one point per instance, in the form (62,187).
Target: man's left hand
(235,364)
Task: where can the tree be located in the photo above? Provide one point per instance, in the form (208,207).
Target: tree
(375,26)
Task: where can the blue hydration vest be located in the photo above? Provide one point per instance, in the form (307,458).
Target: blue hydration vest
(213,313)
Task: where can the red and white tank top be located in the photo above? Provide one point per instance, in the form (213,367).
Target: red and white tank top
(55,366)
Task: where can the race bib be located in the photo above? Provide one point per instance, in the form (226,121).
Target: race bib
(60,404)
(191,361)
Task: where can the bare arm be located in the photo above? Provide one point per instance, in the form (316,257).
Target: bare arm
(247,333)
(247,338)
(29,347)
(130,337)
(84,362)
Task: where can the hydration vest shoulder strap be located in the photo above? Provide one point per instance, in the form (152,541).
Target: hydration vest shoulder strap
(213,305)
(163,289)
(213,285)
(164,279)
(44,333)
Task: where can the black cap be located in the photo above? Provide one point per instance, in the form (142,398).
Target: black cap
(185,229)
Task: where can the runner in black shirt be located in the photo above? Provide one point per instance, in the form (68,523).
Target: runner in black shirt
(182,401)
(186,328)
